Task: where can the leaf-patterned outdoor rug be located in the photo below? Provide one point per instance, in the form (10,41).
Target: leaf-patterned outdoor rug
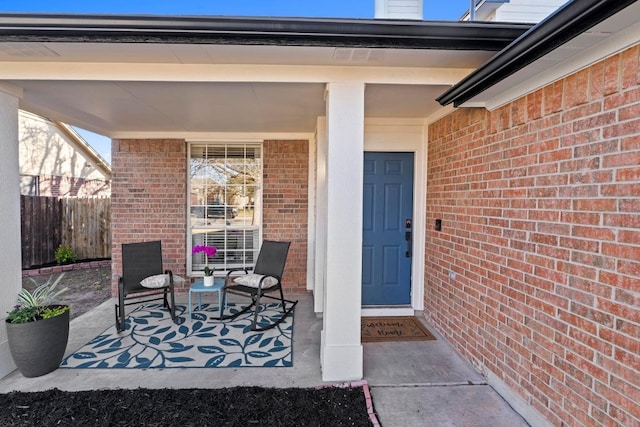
(152,340)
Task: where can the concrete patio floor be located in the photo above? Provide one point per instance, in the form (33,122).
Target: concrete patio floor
(421,383)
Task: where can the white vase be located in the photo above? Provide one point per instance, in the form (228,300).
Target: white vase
(208,281)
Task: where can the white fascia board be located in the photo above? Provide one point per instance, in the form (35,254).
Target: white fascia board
(608,47)
(475,104)
(228,73)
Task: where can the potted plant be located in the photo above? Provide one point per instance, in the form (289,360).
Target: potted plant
(38,329)
(209,251)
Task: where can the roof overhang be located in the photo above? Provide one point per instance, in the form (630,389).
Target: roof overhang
(572,29)
(137,76)
(366,33)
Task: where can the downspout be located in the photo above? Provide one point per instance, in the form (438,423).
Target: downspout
(472,10)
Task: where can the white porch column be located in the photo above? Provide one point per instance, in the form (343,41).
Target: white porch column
(10,261)
(320,232)
(341,350)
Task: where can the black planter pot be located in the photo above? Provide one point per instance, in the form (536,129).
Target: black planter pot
(38,347)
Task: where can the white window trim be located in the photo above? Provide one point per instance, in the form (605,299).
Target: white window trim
(216,141)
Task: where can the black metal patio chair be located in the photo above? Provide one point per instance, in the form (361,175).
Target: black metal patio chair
(265,278)
(142,261)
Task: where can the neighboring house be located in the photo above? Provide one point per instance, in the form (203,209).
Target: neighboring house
(56,161)
(513,10)
(327,133)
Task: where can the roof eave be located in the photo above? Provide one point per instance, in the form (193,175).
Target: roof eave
(566,23)
(367,33)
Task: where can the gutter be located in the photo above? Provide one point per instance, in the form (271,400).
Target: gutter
(571,20)
(373,33)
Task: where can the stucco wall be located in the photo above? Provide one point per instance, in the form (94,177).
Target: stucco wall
(10,214)
(148,202)
(540,209)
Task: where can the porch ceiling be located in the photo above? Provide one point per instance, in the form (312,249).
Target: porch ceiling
(116,108)
(67,82)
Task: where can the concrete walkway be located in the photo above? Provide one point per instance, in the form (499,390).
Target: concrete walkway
(412,383)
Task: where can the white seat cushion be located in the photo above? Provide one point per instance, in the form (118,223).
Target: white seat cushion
(159,281)
(253,280)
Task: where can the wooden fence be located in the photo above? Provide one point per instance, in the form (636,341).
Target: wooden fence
(47,222)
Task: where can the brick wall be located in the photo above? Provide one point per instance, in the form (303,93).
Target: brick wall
(540,202)
(148,199)
(286,203)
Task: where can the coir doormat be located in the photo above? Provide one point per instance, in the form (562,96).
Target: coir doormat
(384,329)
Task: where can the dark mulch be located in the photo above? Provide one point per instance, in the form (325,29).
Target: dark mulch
(238,406)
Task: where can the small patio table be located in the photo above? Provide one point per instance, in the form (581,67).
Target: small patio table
(199,288)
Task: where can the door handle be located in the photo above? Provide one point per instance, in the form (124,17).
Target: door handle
(408,237)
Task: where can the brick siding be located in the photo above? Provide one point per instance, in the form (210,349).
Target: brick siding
(540,203)
(286,203)
(149,201)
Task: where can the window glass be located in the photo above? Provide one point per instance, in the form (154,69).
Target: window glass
(225,203)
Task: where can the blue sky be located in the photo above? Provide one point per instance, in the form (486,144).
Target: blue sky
(433,9)
(446,10)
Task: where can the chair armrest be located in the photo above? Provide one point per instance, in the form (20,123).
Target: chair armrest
(234,270)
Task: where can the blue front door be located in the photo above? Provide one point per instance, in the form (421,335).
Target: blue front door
(387,228)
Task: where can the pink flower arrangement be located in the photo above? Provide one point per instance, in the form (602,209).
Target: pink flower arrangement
(209,251)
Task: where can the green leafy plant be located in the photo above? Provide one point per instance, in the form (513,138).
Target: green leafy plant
(64,254)
(39,304)
(54,310)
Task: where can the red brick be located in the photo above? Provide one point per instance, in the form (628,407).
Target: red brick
(629,64)
(621,311)
(596,83)
(625,342)
(620,394)
(534,105)
(552,99)
(629,127)
(285,195)
(622,159)
(611,74)
(631,220)
(575,223)
(629,237)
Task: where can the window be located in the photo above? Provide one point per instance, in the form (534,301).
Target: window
(225,200)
